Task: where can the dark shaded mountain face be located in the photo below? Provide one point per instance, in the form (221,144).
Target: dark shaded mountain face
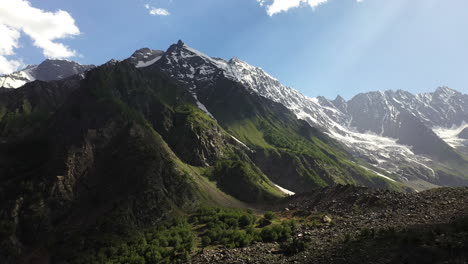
(464,134)
(59,69)
(24,110)
(145,57)
(48,70)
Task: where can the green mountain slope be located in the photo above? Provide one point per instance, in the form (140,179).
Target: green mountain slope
(129,147)
(292,154)
(122,145)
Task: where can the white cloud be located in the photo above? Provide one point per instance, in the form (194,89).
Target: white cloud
(9,66)
(44,28)
(277,6)
(157,11)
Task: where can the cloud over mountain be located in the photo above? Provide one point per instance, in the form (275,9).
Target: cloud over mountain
(43,27)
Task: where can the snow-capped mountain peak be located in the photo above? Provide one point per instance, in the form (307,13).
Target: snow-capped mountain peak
(19,78)
(191,61)
(446,92)
(391,130)
(48,70)
(145,57)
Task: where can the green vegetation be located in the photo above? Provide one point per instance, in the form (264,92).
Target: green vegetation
(269,216)
(243,180)
(20,123)
(232,228)
(287,146)
(237,228)
(247,131)
(175,240)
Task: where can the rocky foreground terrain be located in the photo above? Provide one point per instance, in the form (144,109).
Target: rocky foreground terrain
(346,224)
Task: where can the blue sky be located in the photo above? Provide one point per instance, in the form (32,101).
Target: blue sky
(338,47)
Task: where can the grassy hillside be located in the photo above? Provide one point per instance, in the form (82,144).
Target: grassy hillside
(289,151)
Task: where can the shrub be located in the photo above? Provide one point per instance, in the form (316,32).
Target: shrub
(269,216)
(264,222)
(292,246)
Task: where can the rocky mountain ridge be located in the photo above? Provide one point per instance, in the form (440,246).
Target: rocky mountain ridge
(48,70)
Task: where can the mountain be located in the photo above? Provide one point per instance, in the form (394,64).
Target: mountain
(220,90)
(130,161)
(464,133)
(100,157)
(46,71)
(130,144)
(395,132)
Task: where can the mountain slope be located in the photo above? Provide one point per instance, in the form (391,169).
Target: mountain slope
(23,110)
(269,129)
(369,125)
(99,155)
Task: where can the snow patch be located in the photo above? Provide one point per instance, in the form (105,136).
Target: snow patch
(19,78)
(285,191)
(202,106)
(378,174)
(143,64)
(240,142)
(450,135)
